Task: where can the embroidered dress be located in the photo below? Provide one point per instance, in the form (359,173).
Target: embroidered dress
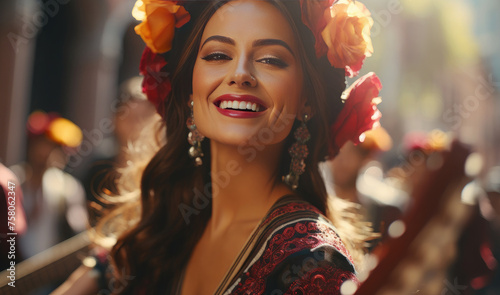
(294,250)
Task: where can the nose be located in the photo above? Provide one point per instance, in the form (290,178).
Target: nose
(242,75)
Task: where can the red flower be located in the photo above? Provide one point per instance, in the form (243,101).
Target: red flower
(312,17)
(359,114)
(156,84)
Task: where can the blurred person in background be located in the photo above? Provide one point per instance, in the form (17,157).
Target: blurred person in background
(473,263)
(481,242)
(418,148)
(491,211)
(133,113)
(398,183)
(356,175)
(54,201)
(353,159)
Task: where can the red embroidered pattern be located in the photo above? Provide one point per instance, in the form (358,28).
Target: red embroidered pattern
(324,280)
(292,239)
(292,207)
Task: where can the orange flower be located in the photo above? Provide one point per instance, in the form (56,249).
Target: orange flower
(159,20)
(347,35)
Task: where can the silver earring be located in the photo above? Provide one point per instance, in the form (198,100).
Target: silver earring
(299,152)
(194,138)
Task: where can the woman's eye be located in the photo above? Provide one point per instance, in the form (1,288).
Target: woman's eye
(216,57)
(273,61)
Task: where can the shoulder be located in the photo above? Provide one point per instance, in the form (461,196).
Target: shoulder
(301,251)
(301,223)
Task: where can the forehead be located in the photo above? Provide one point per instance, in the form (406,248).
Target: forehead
(250,19)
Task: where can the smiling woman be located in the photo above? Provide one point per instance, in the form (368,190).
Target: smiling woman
(234,203)
(241,67)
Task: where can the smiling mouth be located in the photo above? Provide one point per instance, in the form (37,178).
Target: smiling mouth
(237,105)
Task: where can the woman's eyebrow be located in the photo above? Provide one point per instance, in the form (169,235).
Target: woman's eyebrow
(218,38)
(256,43)
(267,42)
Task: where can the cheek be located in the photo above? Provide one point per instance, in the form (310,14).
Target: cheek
(290,82)
(201,90)
(199,80)
(288,92)
(206,79)
(200,119)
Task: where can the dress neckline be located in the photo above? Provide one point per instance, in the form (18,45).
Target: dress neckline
(243,252)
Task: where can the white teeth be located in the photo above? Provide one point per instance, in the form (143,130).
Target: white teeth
(239,105)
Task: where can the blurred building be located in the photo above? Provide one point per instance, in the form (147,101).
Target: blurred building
(64,56)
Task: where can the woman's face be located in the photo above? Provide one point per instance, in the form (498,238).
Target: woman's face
(247,79)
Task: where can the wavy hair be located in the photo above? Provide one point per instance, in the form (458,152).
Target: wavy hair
(158,240)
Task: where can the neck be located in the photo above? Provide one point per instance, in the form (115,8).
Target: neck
(246,183)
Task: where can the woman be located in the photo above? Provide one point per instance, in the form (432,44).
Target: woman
(225,207)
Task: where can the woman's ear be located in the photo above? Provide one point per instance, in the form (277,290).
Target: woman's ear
(305,110)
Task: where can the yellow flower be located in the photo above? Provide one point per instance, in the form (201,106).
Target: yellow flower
(159,20)
(347,35)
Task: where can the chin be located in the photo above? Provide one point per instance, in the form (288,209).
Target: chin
(242,132)
(232,135)
(244,137)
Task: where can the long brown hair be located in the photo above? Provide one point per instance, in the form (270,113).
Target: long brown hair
(158,246)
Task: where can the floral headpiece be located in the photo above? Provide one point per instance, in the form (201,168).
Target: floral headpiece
(342,32)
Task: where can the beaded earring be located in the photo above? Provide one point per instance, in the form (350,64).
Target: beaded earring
(298,151)
(194,138)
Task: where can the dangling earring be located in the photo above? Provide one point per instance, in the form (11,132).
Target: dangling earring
(299,152)
(195,138)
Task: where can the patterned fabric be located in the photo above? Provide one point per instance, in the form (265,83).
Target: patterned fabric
(295,250)
(299,256)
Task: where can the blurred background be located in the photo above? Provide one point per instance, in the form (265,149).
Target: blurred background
(439,63)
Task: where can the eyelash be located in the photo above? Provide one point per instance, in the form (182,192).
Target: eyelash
(274,61)
(217,56)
